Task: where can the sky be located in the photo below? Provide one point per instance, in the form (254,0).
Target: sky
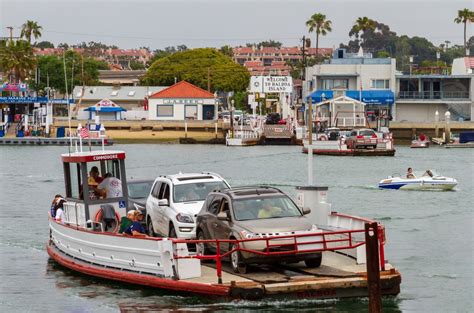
(214,23)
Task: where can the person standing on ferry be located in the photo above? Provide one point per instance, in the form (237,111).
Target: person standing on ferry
(111,187)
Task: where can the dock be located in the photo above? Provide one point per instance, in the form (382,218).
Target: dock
(353,152)
(44,141)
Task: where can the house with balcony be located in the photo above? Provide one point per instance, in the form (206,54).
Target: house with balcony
(355,75)
(418,97)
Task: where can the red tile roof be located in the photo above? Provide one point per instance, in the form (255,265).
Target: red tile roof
(183,89)
(469,61)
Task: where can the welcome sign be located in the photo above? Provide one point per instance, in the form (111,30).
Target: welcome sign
(275,84)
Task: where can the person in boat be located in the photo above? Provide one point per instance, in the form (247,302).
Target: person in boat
(268,211)
(136,228)
(110,187)
(126,221)
(60,216)
(94,176)
(57,203)
(410,173)
(428,173)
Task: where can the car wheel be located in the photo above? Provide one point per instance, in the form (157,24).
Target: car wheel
(238,266)
(172,233)
(314,262)
(201,247)
(150,229)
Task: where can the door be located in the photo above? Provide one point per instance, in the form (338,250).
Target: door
(152,205)
(207,112)
(222,228)
(163,218)
(436,89)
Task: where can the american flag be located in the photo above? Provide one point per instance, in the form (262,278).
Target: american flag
(84,132)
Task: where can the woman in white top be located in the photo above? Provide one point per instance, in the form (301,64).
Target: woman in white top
(60,217)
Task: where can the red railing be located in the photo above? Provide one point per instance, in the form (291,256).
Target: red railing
(340,240)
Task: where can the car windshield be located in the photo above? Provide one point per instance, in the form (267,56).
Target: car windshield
(137,190)
(262,208)
(196,191)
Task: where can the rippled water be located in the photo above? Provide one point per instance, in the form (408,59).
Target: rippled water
(430,234)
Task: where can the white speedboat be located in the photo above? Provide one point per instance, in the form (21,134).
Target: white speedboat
(427,181)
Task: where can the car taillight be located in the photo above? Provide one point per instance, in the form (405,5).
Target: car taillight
(360,137)
(374,135)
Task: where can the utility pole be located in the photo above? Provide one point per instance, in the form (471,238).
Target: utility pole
(209,79)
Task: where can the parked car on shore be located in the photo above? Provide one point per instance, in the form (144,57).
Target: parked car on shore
(175,200)
(254,212)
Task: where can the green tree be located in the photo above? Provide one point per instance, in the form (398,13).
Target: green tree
(362,24)
(195,66)
(44,44)
(241,100)
(135,65)
(266,43)
(52,71)
(17,59)
(320,25)
(227,50)
(30,29)
(465,16)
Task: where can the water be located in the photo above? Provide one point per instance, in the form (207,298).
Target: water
(430,234)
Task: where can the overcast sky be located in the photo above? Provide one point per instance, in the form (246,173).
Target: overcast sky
(201,23)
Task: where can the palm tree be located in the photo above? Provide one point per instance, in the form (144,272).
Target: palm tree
(29,29)
(362,24)
(17,59)
(464,16)
(320,26)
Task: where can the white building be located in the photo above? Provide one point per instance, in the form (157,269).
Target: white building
(182,101)
(356,75)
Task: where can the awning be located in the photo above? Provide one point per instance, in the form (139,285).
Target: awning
(381,97)
(104,109)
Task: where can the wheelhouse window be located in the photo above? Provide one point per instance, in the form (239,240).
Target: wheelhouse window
(164,110)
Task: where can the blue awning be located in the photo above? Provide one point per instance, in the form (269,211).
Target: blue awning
(105,109)
(380,97)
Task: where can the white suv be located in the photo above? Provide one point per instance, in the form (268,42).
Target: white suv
(175,200)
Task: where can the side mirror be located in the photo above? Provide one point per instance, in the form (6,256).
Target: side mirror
(306,211)
(223,216)
(163,202)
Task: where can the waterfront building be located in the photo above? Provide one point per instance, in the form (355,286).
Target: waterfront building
(355,75)
(182,101)
(419,96)
(134,99)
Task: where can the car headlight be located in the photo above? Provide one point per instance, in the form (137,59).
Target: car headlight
(184,218)
(248,235)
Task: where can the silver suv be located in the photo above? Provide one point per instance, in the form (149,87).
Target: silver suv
(175,200)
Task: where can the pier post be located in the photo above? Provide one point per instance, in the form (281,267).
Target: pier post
(436,124)
(373,270)
(185,129)
(447,129)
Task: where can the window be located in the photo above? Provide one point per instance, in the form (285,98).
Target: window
(190,111)
(335,83)
(76,181)
(131,93)
(164,192)
(156,190)
(380,84)
(164,110)
(214,207)
(114,93)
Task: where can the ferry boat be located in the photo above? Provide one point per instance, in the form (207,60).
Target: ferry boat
(428,181)
(86,241)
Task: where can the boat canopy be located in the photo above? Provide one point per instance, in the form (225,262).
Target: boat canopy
(92,156)
(381,97)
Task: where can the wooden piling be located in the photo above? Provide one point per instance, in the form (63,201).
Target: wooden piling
(373,270)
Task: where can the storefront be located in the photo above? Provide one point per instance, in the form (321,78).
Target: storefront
(106,110)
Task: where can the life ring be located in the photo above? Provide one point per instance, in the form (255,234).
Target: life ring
(323,138)
(99,215)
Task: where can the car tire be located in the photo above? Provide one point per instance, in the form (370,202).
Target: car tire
(150,229)
(314,262)
(202,247)
(236,260)
(172,232)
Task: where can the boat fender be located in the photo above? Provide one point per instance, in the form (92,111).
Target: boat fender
(100,214)
(323,138)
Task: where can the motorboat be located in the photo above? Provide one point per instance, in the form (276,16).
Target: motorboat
(429,180)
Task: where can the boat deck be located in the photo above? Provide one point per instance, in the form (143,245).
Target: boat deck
(353,152)
(338,277)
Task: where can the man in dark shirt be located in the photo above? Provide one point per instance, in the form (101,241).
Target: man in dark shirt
(136,229)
